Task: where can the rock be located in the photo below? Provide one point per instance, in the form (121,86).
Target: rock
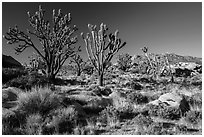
(9,96)
(10,62)
(172,100)
(155,102)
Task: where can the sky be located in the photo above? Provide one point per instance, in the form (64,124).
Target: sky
(171,27)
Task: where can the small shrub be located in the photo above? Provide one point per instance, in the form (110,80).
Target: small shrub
(193,117)
(109,116)
(195,100)
(64,120)
(134,85)
(137,98)
(165,112)
(157,129)
(88,69)
(11,73)
(28,81)
(124,62)
(142,120)
(40,100)
(34,124)
(126,112)
(9,121)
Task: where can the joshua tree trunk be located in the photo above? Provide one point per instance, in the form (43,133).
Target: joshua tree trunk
(79,72)
(100,80)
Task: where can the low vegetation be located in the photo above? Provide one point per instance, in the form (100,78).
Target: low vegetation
(141,95)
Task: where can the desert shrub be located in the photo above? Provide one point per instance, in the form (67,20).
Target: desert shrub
(165,112)
(99,90)
(170,113)
(109,116)
(40,101)
(12,121)
(126,112)
(134,85)
(124,62)
(89,129)
(142,120)
(9,121)
(11,73)
(88,69)
(195,100)
(137,98)
(64,120)
(157,129)
(193,116)
(28,81)
(34,124)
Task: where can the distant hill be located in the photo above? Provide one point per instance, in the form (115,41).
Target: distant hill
(173,58)
(10,62)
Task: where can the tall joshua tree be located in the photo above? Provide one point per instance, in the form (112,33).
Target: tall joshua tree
(101,48)
(56,40)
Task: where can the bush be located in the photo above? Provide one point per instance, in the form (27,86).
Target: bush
(134,85)
(28,81)
(165,112)
(88,69)
(193,117)
(157,129)
(34,124)
(64,120)
(109,116)
(142,120)
(124,62)
(195,100)
(9,121)
(11,73)
(40,101)
(137,98)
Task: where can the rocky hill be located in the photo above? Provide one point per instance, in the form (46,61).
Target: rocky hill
(173,58)
(10,62)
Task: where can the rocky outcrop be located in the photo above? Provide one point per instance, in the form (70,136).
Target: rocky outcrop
(10,62)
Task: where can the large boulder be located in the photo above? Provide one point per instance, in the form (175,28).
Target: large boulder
(172,100)
(9,96)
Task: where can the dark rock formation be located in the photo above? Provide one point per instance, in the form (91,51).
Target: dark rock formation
(10,62)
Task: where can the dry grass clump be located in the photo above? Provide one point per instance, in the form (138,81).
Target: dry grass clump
(40,100)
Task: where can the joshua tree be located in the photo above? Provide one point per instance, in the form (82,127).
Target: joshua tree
(154,64)
(56,40)
(80,64)
(101,50)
